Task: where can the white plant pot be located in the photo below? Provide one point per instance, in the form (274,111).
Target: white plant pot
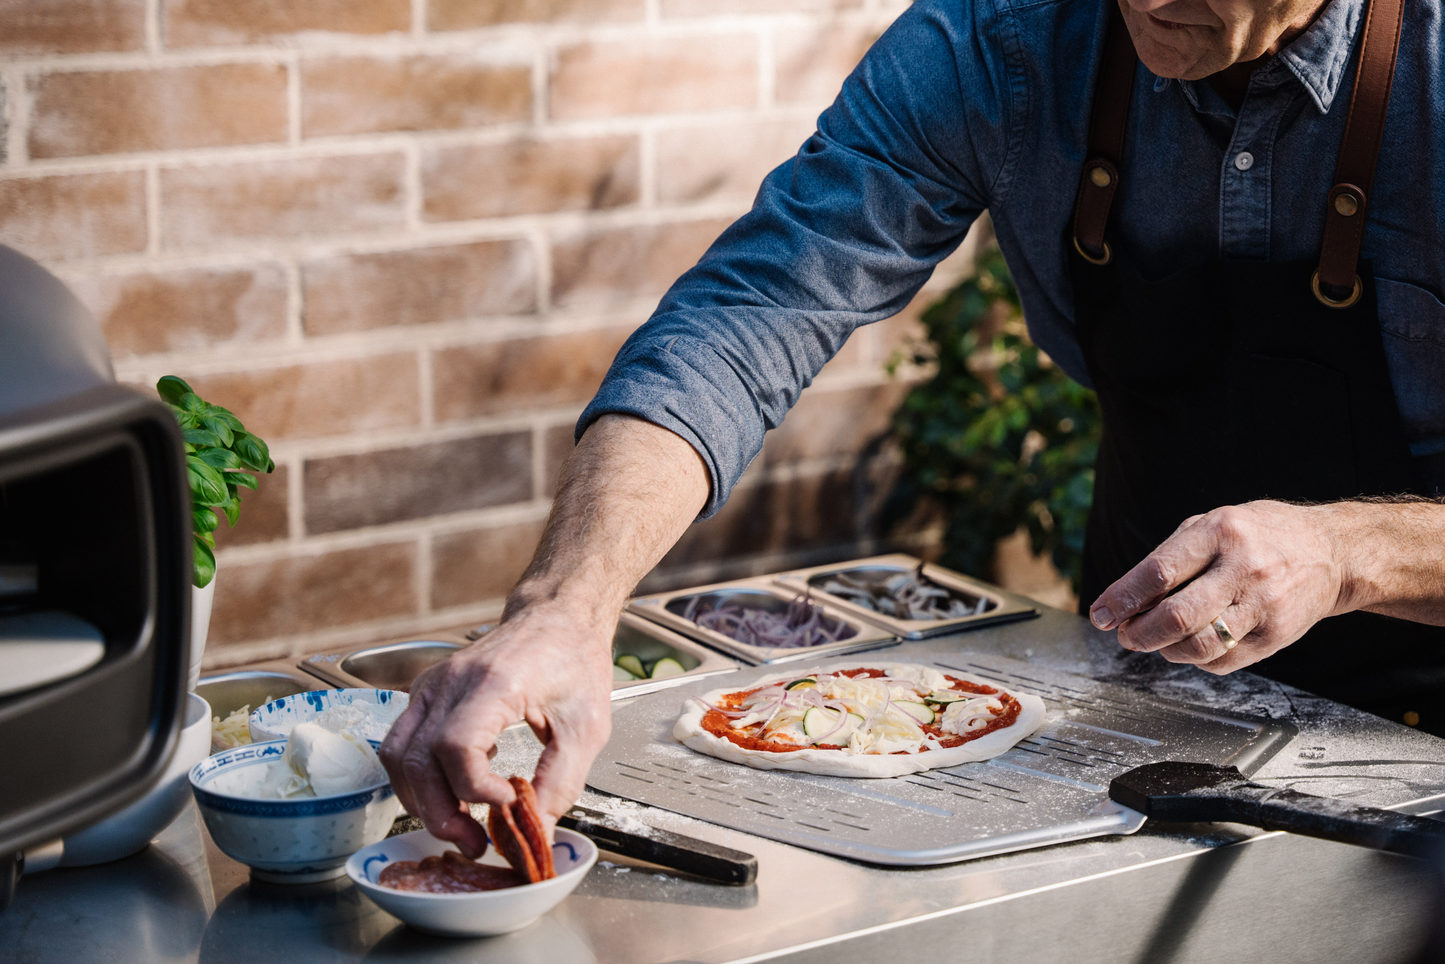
(200,623)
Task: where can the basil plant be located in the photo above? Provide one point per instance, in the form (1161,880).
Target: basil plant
(219,451)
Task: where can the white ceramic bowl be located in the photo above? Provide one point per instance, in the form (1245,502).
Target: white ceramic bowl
(274,720)
(482,914)
(289,841)
(127,832)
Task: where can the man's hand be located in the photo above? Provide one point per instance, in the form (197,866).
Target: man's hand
(551,670)
(627,493)
(1272,570)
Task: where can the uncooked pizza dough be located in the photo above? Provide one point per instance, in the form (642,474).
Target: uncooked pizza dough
(869,719)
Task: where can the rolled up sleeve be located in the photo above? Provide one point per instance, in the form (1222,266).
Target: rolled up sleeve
(842,235)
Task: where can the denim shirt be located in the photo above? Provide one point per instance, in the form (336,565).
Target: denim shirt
(966,105)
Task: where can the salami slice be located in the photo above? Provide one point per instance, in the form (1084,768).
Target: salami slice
(507,838)
(528,819)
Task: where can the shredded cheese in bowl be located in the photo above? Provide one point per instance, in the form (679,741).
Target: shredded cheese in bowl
(234,730)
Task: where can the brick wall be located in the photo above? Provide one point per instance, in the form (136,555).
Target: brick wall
(402,240)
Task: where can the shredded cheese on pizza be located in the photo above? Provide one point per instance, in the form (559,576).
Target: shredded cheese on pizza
(910,710)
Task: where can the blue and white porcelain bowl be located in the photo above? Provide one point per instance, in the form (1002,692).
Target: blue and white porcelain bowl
(289,841)
(274,720)
(481,914)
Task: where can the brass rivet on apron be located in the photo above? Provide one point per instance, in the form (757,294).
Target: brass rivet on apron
(1325,299)
(1347,204)
(1100,177)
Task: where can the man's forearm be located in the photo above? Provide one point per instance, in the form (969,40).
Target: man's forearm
(628,492)
(1393,557)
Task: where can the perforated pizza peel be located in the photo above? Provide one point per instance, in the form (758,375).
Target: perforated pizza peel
(1051,788)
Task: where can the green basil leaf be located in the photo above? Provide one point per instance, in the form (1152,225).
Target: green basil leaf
(204,520)
(207,486)
(220,458)
(170,389)
(187,421)
(219,426)
(241,479)
(201,436)
(228,417)
(204,566)
(253,452)
(192,402)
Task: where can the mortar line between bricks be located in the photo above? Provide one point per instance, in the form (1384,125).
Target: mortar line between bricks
(767,67)
(411,188)
(426,387)
(295,503)
(295,336)
(539,458)
(17,117)
(293,99)
(418,18)
(391,533)
(153,210)
(381,142)
(381,341)
(153,39)
(423,572)
(557,224)
(541,87)
(647,167)
(400,341)
(502,40)
(542,251)
(236,653)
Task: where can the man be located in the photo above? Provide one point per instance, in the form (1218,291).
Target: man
(1177,275)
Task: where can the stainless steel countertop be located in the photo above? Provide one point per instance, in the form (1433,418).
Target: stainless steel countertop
(1197,893)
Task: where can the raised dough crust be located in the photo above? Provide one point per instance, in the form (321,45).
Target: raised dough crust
(836,763)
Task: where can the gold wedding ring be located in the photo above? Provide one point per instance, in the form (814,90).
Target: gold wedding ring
(1221,629)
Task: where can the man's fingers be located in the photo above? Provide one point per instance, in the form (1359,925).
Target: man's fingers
(1182,557)
(1187,613)
(562,770)
(463,747)
(393,748)
(1208,650)
(432,800)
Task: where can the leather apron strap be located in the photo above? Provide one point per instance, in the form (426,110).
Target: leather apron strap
(1336,283)
(1100,180)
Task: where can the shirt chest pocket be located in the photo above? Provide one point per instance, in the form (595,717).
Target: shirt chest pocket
(1412,322)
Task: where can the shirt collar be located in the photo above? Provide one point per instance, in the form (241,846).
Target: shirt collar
(1316,58)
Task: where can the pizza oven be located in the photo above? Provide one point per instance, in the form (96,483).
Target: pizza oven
(94,572)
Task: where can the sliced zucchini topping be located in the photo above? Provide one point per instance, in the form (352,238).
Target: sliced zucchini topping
(807,682)
(666,668)
(633,665)
(620,675)
(919,711)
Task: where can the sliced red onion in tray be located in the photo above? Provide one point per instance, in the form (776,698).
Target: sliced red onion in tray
(802,625)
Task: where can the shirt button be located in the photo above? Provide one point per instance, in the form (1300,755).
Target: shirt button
(1244,160)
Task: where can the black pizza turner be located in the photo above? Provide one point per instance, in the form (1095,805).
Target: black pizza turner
(1203,793)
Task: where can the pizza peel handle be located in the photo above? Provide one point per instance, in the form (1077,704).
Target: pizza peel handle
(1204,793)
(688,854)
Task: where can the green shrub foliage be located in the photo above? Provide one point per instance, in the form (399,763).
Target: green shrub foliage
(218,451)
(999,437)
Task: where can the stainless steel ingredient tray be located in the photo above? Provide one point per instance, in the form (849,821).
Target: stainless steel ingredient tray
(998,608)
(395,665)
(1051,788)
(760,592)
(228,692)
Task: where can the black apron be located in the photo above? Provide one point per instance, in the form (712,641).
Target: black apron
(1236,380)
